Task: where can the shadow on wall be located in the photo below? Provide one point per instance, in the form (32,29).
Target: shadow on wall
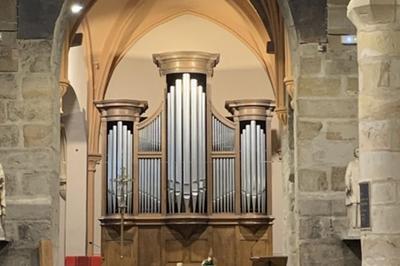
(73,116)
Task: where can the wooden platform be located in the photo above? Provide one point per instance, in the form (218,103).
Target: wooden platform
(269,261)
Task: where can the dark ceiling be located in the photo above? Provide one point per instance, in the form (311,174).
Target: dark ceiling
(36,18)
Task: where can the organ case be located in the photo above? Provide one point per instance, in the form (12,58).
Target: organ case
(185,175)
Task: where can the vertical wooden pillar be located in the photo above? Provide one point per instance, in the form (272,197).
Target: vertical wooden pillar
(92,161)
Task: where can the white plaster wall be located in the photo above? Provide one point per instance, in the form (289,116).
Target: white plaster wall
(239,75)
(77,75)
(74,120)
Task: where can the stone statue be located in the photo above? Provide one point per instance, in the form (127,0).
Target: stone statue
(2,203)
(353,191)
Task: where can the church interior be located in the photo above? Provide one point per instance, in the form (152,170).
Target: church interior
(213,132)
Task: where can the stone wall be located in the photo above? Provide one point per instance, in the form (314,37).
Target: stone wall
(29,137)
(325,134)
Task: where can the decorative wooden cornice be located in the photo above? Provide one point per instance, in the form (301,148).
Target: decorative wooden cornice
(121,109)
(186,62)
(249,109)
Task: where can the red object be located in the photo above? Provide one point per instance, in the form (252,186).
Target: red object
(83,261)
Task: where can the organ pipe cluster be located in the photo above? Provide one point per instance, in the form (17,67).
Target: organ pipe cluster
(150,136)
(186,158)
(119,168)
(186,116)
(150,185)
(253,181)
(223,136)
(224,185)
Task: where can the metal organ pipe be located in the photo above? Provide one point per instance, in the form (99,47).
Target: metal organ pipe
(194,142)
(178,144)
(253,180)
(109,171)
(202,147)
(186,146)
(119,168)
(186,141)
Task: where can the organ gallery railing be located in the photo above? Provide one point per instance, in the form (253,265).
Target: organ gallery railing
(186,160)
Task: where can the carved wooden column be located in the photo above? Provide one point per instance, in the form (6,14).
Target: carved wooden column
(378,35)
(92,161)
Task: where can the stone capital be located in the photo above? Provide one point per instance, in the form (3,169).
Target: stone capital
(92,161)
(289,86)
(374,14)
(64,86)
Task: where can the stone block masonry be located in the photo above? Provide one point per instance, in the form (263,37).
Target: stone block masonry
(325,135)
(29,138)
(378,33)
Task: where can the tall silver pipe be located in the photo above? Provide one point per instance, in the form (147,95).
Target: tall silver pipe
(178,143)
(119,160)
(243,169)
(169,145)
(233,184)
(141,193)
(222,184)
(186,140)
(130,171)
(114,174)
(213,133)
(248,168)
(145,185)
(153,185)
(253,165)
(124,163)
(159,133)
(109,170)
(140,185)
(226,176)
(172,140)
(203,179)
(159,185)
(194,142)
(154,134)
(143,176)
(232,177)
(214,199)
(258,145)
(263,176)
(217,163)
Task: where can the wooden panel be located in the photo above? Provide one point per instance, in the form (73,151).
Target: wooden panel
(149,246)
(224,245)
(161,245)
(199,250)
(112,253)
(254,243)
(174,250)
(45,253)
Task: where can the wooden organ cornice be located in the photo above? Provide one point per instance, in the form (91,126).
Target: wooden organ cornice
(181,168)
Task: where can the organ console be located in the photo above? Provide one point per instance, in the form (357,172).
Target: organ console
(186,169)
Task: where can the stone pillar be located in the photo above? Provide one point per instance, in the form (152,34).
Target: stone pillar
(378,30)
(93,160)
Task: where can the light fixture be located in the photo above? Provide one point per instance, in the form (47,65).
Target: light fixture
(348,39)
(76,8)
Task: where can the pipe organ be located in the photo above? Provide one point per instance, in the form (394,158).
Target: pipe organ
(185,169)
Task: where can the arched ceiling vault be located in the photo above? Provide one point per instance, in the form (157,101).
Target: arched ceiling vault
(136,18)
(114,26)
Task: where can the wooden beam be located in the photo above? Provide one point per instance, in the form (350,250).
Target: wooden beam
(45,253)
